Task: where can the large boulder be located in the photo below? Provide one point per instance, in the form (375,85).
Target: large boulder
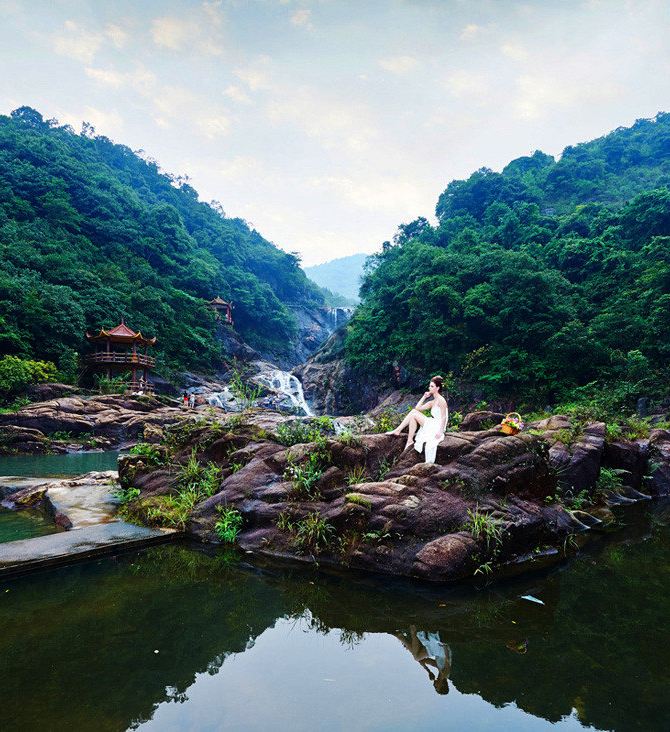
(482,420)
(113,416)
(658,482)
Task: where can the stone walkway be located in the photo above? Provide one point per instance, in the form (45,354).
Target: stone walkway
(18,557)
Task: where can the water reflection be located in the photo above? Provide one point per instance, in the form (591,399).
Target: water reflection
(431,653)
(180,639)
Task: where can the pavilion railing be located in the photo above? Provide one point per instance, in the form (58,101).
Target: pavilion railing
(128,359)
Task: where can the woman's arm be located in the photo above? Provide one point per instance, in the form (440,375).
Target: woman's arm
(423,404)
(443,419)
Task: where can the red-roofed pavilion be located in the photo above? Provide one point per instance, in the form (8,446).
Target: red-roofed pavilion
(222,309)
(122,349)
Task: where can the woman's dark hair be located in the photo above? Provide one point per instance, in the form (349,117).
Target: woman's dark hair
(438,381)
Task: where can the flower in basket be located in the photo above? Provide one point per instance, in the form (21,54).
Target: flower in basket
(513,421)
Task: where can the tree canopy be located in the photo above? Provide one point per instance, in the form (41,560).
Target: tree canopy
(537,282)
(91,232)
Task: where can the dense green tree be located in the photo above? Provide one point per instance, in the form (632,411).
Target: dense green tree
(90,232)
(536,282)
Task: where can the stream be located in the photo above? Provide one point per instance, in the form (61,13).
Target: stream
(177,638)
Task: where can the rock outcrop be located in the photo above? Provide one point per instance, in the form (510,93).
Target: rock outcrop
(112,418)
(370,505)
(332,386)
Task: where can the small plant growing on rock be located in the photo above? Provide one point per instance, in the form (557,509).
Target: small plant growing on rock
(150,454)
(358,499)
(388,419)
(285,522)
(384,468)
(377,536)
(357,474)
(609,480)
(304,477)
(228,525)
(126,495)
(349,439)
(313,532)
(486,526)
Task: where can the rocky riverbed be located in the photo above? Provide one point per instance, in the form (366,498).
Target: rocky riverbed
(491,501)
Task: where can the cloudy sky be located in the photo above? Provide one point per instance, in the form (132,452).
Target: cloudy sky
(326,123)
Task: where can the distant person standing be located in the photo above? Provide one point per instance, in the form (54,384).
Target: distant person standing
(191,401)
(184,399)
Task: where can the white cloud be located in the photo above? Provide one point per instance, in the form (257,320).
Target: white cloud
(213,12)
(78,43)
(514,51)
(199,33)
(464,83)
(471,31)
(141,79)
(214,127)
(174,101)
(302,18)
(116,35)
(335,124)
(171,32)
(398,64)
(236,94)
(256,75)
(539,94)
(376,192)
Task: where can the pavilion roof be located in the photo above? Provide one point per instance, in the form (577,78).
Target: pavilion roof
(121,334)
(218,301)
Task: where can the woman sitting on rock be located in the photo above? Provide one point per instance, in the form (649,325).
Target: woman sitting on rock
(431,429)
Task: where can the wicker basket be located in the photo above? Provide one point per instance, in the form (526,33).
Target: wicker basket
(507,428)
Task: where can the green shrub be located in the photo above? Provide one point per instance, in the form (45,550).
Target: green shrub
(349,439)
(18,373)
(228,525)
(151,454)
(112,385)
(609,480)
(482,525)
(313,532)
(388,419)
(126,495)
(357,474)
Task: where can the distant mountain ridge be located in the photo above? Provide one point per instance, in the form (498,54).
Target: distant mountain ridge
(341,276)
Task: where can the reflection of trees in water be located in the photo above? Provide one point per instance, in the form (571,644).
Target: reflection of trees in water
(595,645)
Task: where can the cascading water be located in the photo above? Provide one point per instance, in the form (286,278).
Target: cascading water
(288,385)
(223,398)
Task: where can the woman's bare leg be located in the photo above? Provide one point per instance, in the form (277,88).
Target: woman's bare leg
(415,414)
(417,419)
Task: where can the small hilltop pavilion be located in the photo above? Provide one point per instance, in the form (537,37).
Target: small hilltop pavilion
(222,309)
(122,349)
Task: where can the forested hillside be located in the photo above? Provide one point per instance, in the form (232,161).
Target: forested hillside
(90,232)
(549,281)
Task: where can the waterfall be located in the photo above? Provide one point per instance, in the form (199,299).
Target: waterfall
(223,399)
(290,386)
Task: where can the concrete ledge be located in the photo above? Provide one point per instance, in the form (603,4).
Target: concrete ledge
(28,555)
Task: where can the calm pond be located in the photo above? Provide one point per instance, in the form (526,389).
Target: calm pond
(177,639)
(72,463)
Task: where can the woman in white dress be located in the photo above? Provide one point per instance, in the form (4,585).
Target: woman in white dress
(431,429)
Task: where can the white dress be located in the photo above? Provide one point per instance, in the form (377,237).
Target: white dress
(426,433)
